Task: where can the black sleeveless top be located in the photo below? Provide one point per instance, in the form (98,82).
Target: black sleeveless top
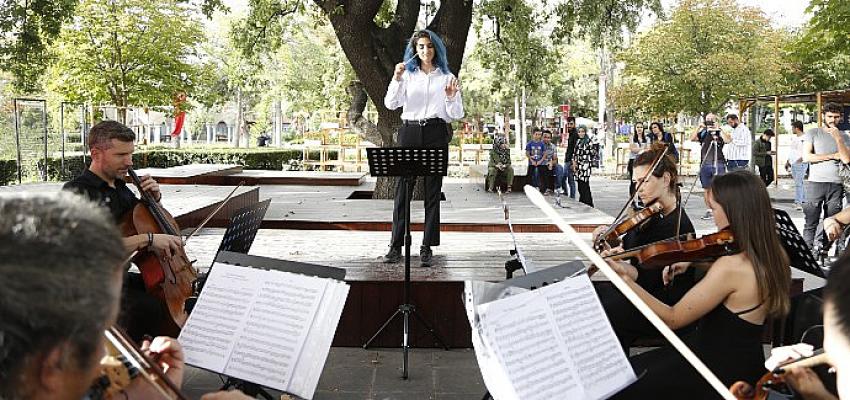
(729,345)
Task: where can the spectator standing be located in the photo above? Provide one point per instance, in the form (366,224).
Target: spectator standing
(738,144)
(534,151)
(658,133)
(569,173)
(824,189)
(500,163)
(638,142)
(552,171)
(796,165)
(763,156)
(583,164)
(712,161)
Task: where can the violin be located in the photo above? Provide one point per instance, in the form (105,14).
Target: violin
(666,252)
(611,236)
(169,279)
(123,363)
(774,381)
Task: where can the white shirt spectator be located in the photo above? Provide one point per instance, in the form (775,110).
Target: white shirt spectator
(423,96)
(795,155)
(740,148)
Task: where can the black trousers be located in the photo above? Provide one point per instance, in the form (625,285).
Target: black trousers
(766,173)
(584,194)
(431,135)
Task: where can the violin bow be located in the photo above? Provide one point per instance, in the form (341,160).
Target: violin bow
(655,163)
(538,200)
(213,213)
(147,367)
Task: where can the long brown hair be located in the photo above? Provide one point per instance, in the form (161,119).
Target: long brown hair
(747,206)
(667,164)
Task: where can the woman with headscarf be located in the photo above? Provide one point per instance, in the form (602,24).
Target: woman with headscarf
(583,163)
(500,163)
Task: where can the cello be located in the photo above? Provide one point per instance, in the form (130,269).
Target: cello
(167,278)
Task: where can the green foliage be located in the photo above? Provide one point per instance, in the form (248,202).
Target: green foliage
(262,159)
(601,22)
(28,29)
(127,52)
(819,54)
(709,52)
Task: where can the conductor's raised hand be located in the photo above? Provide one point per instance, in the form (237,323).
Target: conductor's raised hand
(399,71)
(452,88)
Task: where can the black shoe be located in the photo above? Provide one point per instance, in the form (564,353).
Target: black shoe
(425,255)
(393,256)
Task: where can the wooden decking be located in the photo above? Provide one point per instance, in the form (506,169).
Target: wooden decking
(232,175)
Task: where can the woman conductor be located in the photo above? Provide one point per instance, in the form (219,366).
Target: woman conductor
(430,99)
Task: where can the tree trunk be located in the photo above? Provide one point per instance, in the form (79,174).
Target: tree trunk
(374,51)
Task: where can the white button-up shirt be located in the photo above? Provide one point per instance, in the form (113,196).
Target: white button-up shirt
(423,96)
(795,156)
(740,148)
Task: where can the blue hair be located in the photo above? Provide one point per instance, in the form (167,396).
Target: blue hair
(412,61)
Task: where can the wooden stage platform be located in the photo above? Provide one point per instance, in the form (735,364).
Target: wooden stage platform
(232,175)
(324,223)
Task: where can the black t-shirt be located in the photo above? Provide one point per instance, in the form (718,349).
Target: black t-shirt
(119,199)
(571,145)
(660,227)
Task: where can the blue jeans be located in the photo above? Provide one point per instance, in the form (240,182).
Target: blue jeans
(734,165)
(559,177)
(798,171)
(568,180)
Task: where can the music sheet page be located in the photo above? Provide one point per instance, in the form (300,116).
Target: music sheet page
(252,324)
(553,342)
(602,366)
(521,331)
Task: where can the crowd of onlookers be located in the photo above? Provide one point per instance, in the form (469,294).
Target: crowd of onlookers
(819,162)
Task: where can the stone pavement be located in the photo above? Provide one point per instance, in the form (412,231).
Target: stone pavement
(355,373)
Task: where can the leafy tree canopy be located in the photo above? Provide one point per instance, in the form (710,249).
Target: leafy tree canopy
(707,53)
(127,52)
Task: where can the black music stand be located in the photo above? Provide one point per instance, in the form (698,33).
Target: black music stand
(798,251)
(407,162)
(241,259)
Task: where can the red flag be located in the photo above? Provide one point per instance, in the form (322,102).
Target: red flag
(178,124)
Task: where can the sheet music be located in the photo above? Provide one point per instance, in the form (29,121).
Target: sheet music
(262,326)
(553,342)
(602,366)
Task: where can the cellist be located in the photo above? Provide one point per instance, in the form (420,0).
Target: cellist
(660,186)
(111,145)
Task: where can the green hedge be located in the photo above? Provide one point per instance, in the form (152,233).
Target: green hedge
(272,159)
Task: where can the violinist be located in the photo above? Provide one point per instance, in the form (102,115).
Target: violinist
(111,145)
(660,187)
(729,304)
(60,281)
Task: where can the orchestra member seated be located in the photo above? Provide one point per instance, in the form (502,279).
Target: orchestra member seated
(730,304)
(61,263)
(661,187)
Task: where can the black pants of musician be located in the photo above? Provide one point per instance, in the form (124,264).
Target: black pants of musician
(584,194)
(628,323)
(413,135)
(141,313)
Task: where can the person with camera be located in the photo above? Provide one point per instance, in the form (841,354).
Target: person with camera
(712,161)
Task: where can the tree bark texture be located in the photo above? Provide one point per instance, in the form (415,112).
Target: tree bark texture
(373,52)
